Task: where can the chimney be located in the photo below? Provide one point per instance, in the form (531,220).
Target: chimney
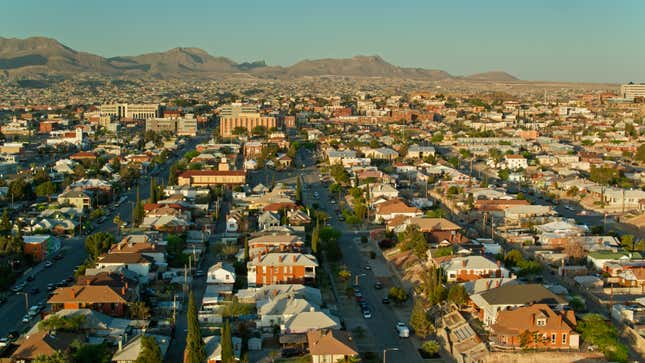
(532,319)
(463,262)
(499,263)
(488,283)
(123,291)
(295,258)
(496,283)
(120,344)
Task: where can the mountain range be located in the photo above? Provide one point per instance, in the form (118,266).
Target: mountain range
(40,56)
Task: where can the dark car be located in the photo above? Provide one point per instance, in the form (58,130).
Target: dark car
(58,256)
(13,335)
(378,285)
(386,300)
(34,290)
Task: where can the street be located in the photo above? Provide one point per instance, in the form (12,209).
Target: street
(73,250)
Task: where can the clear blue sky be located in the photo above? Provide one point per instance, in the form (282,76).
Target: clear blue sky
(571,40)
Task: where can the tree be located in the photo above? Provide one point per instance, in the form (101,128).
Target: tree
(431,347)
(98,243)
(339,174)
(57,357)
(575,250)
(259,130)
(640,153)
(397,294)
(433,286)
(150,351)
(227,344)
(5,222)
(195,352)
(315,236)
(91,353)
(504,174)
(46,189)
(172,174)
(344,274)
(139,310)
(298,190)
(513,258)
(154,191)
(138,212)
(627,241)
(596,331)
(240,131)
(64,323)
(413,239)
(419,320)
(457,294)
(19,189)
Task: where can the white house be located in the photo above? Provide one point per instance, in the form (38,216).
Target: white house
(278,310)
(515,162)
(221,273)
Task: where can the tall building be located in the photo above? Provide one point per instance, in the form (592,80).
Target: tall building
(186,126)
(236,109)
(228,123)
(631,91)
(140,111)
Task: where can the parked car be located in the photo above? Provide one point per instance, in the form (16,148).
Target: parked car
(4,342)
(13,335)
(367,313)
(402,330)
(58,256)
(48,264)
(26,318)
(386,300)
(378,285)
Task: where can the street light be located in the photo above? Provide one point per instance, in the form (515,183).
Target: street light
(356,276)
(386,350)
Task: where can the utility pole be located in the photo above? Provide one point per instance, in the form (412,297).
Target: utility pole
(26,301)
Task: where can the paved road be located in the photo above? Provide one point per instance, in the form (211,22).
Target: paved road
(74,253)
(381,327)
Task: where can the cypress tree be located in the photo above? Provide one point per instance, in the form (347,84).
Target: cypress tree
(195,352)
(227,344)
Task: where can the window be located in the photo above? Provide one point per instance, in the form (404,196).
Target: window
(553,335)
(541,322)
(564,338)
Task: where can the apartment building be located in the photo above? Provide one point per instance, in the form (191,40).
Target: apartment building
(248,121)
(236,109)
(140,111)
(281,268)
(211,177)
(631,91)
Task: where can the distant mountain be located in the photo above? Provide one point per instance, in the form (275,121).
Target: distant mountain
(45,55)
(494,76)
(39,56)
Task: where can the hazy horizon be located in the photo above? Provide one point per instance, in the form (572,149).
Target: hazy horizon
(578,41)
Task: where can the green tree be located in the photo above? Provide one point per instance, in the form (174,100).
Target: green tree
(298,190)
(91,353)
(513,258)
(98,243)
(419,320)
(596,331)
(504,174)
(457,294)
(138,212)
(339,174)
(259,131)
(154,191)
(240,131)
(195,351)
(433,286)
(19,189)
(627,241)
(46,189)
(57,357)
(150,351)
(315,237)
(640,153)
(5,222)
(227,344)
(397,294)
(172,174)
(431,347)
(139,310)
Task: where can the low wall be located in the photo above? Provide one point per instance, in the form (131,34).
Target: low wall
(541,357)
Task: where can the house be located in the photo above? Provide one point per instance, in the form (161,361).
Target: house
(536,326)
(213,348)
(393,208)
(310,320)
(129,352)
(383,190)
(330,346)
(298,217)
(132,261)
(462,341)
(77,199)
(491,302)
(515,162)
(143,244)
(221,273)
(44,344)
(381,153)
(281,268)
(96,297)
(274,243)
(284,161)
(420,152)
(254,294)
(40,246)
(268,219)
(461,269)
(281,308)
(600,259)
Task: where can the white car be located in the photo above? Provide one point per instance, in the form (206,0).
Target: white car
(26,319)
(4,342)
(402,330)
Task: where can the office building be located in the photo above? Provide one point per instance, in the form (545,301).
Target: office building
(134,111)
(181,127)
(237,109)
(631,91)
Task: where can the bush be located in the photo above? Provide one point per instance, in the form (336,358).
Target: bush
(397,295)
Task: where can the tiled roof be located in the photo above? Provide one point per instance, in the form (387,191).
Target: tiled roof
(86,293)
(331,342)
(524,318)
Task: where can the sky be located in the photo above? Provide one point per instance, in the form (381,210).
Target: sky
(551,40)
